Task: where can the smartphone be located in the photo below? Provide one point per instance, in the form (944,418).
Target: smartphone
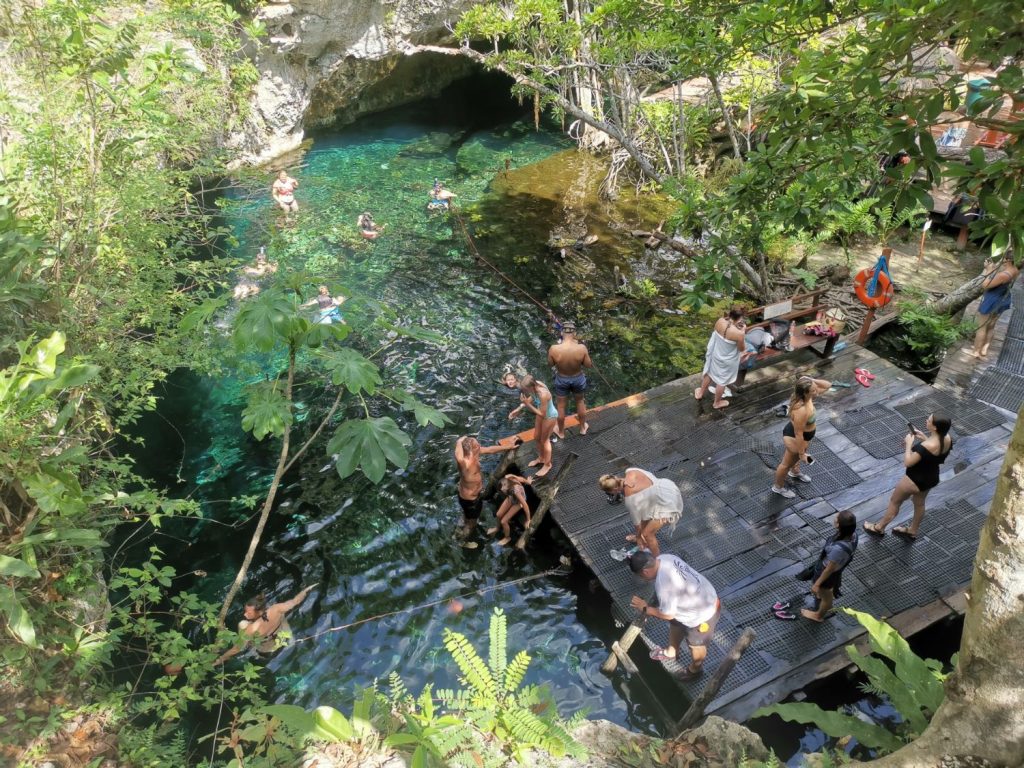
(911,428)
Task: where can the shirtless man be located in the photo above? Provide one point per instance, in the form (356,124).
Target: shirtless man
(467,455)
(263,625)
(283,192)
(569,358)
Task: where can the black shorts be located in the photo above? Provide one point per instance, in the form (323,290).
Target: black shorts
(788,431)
(471,508)
(701,634)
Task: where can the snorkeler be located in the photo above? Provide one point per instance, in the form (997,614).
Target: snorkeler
(368,228)
(328,306)
(248,286)
(440,198)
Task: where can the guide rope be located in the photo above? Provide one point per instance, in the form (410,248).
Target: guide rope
(561,571)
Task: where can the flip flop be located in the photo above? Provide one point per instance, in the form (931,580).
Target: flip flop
(863,380)
(873,530)
(658,654)
(902,530)
(781,607)
(865,373)
(784,615)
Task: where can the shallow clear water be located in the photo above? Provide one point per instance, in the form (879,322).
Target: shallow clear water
(379,549)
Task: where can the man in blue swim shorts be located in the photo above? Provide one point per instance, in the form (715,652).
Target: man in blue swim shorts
(569,357)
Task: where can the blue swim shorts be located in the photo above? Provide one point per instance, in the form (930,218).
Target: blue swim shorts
(570,385)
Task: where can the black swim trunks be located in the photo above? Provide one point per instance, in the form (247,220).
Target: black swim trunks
(702,633)
(788,431)
(471,508)
(570,385)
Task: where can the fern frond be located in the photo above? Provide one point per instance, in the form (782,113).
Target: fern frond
(475,673)
(499,636)
(516,671)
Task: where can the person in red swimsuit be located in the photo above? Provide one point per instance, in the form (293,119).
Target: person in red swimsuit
(283,192)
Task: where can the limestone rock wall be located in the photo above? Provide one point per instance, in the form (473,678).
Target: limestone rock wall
(331,61)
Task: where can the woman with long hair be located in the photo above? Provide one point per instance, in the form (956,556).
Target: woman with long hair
(726,348)
(536,398)
(652,502)
(922,461)
(798,433)
(998,282)
(519,497)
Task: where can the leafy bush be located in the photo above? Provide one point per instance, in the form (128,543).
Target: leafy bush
(913,686)
(928,334)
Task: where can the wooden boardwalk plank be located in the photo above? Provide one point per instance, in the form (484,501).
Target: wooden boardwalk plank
(749,542)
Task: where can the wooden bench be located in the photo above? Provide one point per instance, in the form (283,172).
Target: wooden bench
(799,315)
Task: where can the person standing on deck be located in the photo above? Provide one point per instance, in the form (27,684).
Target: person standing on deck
(726,350)
(686,600)
(535,397)
(471,484)
(827,575)
(652,502)
(264,626)
(569,357)
(798,433)
(999,280)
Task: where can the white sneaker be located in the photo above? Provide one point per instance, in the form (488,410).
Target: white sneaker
(800,477)
(784,492)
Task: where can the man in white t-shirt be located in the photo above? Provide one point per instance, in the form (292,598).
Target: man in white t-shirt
(686,600)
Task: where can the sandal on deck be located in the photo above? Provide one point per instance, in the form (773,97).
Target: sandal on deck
(862,379)
(658,654)
(784,615)
(904,531)
(865,373)
(873,528)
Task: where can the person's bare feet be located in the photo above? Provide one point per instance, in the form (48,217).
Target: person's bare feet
(584,429)
(807,613)
(697,394)
(492,531)
(630,537)
(545,468)
(559,435)
(721,405)
(535,463)
(504,542)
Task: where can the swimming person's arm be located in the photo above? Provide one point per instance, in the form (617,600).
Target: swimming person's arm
(287,605)
(249,630)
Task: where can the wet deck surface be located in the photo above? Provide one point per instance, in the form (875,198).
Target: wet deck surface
(749,542)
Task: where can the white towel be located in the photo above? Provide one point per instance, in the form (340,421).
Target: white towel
(722,363)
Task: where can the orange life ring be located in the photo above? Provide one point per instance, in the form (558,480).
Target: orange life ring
(885,288)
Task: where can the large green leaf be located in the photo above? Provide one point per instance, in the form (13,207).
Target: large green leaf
(296,719)
(267,411)
(331,725)
(835,724)
(351,370)
(18,621)
(368,444)
(201,314)
(68,537)
(12,566)
(265,322)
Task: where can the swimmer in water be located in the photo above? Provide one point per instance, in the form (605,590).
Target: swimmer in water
(264,627)
(248,286)
(328,306)
(283,192)
(368,228)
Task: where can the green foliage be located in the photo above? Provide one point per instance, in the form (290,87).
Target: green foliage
(927,334)
(368,445)
(495,701)
(914,686)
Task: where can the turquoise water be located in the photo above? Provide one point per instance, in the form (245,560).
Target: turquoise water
(385,548)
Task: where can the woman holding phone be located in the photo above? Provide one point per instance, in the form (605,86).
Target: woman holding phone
(922,461)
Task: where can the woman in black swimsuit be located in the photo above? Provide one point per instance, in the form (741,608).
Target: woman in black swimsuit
(798,433)
(922,462)
(519,497)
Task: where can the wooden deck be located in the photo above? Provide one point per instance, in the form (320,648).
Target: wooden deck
(749,542)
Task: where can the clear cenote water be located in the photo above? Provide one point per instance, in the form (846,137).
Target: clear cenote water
(378,549)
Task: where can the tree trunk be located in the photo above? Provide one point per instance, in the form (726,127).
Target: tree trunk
(268,504)
(959,297)
(981,715)
(733,138)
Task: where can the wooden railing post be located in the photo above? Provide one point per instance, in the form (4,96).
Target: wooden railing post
(696,711)
(546,492)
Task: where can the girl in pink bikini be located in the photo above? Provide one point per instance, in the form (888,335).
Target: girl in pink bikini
(283,192)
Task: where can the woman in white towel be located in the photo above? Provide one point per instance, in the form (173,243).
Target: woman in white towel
(652,502)
(726,349)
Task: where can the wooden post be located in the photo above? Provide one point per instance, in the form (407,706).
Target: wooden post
(625,642)
(499,472)
(865,330)
(623,659)
(547,495)
(696,711)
